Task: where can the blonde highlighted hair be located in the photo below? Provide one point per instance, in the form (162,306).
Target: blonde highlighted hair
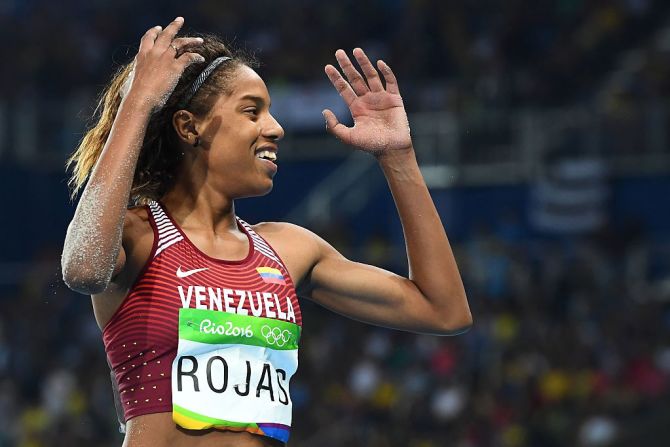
(159,156)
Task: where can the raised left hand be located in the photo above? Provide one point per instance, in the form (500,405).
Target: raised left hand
(380,121)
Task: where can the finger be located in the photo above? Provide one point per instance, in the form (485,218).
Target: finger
(336,128)
(183,44)
(389,77)
(370,72)
(147,41)
(187,59)
(167,35)
(355,79)
(342,86)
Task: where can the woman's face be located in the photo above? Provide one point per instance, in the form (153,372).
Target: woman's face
(239,138)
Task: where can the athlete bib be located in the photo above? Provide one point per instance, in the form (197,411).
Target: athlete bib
(233,372)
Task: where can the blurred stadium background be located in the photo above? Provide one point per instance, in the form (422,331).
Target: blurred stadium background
(542,128)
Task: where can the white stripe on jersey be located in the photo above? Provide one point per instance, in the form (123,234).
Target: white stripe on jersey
(168,234)
(260,245)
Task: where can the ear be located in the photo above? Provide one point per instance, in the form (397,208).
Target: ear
(184,123)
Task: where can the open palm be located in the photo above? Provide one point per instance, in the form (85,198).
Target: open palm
(380,121)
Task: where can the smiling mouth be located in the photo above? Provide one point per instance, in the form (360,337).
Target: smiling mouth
(267,155)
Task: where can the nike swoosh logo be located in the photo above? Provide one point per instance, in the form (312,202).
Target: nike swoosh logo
(184,274)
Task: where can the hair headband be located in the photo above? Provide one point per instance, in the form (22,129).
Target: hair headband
(201,79)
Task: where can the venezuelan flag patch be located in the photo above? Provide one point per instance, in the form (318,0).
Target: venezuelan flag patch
(271,275)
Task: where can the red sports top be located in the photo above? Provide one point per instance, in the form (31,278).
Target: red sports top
(142,336)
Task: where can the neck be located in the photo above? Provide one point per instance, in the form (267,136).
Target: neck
(201,207)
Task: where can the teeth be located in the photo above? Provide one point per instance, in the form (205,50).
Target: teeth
(267,154)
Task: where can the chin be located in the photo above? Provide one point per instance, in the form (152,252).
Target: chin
(267,190)
(259,190)
(268,184)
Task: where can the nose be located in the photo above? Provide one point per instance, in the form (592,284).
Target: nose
(272,129)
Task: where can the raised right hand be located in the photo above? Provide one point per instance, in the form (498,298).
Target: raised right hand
(159,64)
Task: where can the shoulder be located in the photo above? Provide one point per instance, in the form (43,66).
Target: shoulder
(137,214)
(291,240)
(299,248)
(284,231)
(136,226)
(281,228)
(137,219)
(136,246)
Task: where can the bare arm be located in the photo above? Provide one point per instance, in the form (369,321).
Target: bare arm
(432,299)
(92,251)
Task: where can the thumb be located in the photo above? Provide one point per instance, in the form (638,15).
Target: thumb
(334,127)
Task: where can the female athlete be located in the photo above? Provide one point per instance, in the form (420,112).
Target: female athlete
(198,309)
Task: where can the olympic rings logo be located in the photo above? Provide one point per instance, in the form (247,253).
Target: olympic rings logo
(275,336)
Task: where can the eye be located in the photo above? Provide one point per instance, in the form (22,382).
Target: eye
(251,111)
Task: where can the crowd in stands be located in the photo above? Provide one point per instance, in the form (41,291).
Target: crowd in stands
(506,53)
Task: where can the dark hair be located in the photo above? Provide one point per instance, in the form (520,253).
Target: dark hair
(159,156)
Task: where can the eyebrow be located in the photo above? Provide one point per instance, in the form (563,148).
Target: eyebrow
(255,98)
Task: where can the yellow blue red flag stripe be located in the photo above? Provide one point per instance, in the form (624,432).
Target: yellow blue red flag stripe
(271,275)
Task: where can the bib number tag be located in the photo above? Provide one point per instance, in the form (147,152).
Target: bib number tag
(233,371)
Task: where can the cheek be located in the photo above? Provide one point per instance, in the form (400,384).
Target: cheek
(232,147)
(237,164)
(239,133)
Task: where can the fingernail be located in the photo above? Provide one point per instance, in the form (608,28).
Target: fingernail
(178,18)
